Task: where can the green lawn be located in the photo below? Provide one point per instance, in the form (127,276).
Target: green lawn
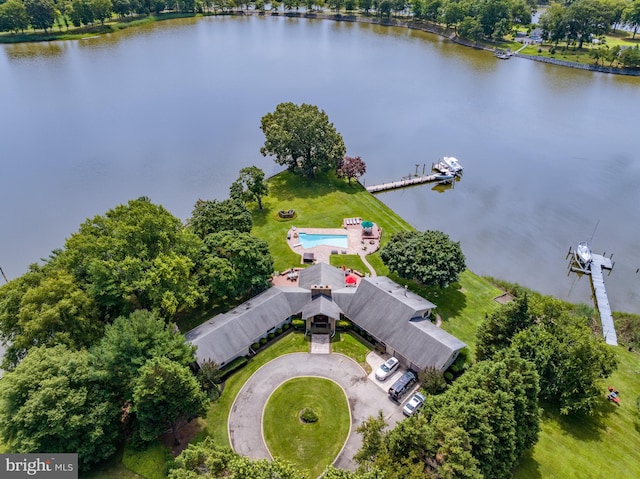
(352,261)
(150,463)
(351,345)
(602,446)
(583,55)
(309,447)
(112,469)
(320,203)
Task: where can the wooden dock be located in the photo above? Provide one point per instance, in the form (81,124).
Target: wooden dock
(439,166)
(599,263)
(418,180)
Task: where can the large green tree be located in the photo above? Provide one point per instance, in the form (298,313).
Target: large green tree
(102,10)
(52,310)
(631,16)
(554,23)
(207,460)
(129,343)
(302,139)
(588,17)
(41,13)
(429,257)
(497,330)
(215,216)
(570,360)
(136,256)
(492,14)
(250,186)
(237,264)
(165,392)
(52,403)
(81,12)
(478,428)
(13,16)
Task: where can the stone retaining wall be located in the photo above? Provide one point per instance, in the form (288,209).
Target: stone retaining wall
(581,66)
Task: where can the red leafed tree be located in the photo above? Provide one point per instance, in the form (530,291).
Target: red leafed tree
(352,167)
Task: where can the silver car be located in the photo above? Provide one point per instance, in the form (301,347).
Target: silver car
(387,369)
(413,404)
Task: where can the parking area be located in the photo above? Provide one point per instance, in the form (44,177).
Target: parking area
(375,360)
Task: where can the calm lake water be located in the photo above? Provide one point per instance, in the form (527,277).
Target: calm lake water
(172,111)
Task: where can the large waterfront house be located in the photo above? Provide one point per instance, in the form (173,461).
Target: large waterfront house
(398,320)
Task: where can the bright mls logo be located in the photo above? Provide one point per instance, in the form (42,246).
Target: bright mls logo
(46,466)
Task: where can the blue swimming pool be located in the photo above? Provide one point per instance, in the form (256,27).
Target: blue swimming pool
(311,240)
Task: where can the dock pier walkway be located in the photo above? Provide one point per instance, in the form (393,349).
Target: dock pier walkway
(596,266)
(401,183)
(598,263)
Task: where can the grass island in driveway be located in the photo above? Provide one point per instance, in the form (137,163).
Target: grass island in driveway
(311,446)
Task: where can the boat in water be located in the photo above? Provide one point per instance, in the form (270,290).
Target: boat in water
(583,254)
(445,177)
(452,164)
(502,54)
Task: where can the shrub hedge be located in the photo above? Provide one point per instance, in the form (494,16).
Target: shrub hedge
(343,324)
(233,366)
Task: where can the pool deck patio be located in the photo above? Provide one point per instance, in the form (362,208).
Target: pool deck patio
(357,243)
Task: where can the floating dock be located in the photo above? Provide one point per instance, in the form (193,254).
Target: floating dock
(597,264)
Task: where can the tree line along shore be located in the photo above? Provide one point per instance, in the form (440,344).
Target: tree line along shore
(583,34)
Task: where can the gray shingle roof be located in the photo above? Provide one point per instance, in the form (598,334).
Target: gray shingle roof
(382,307)
(321,273)
(385,310)
(321,305)
(230,334)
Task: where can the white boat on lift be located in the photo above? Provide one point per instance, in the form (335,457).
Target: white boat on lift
(583,254)
(452,164)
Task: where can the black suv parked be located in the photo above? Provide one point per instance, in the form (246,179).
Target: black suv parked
(402,385)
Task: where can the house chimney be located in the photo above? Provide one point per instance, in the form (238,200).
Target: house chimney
(317,289)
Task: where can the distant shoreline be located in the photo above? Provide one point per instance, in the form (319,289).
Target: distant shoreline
(97,30)
(438,30)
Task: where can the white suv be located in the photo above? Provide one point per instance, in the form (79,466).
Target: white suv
(413,404)
(387,369)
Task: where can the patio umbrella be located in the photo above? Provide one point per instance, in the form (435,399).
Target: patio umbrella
(367,224)
(350,280)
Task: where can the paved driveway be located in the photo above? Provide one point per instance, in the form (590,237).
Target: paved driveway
(365,399)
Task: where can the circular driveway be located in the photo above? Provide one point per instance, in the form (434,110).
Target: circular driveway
(365,400)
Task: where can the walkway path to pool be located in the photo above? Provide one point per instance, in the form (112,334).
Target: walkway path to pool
(372,271)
